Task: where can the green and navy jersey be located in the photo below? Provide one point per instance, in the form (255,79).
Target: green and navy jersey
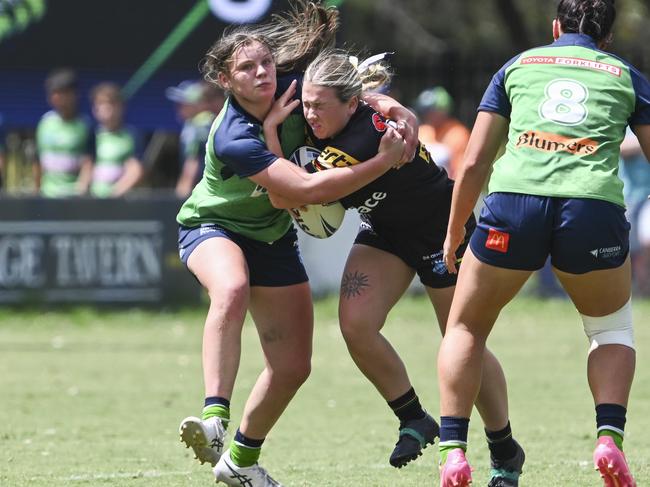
(113,149)
(235,151)
(415,198)
(569,105)
(61,145)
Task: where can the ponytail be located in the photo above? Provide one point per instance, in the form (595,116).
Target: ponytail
(298,36)
(346,75)
(591,17)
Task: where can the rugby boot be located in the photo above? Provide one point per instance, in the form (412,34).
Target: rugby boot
(414,436)
(230,474)
(206,437)
(456,472)
(611,463)
(506,473)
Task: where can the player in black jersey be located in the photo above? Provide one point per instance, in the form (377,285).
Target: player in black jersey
(404,219)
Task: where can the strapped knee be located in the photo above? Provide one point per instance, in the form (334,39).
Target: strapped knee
(613,329)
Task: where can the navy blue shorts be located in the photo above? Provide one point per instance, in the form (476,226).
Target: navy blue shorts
(422,252)
(519,231)
(269,264)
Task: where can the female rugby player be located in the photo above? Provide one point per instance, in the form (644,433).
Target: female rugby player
(404,219)
(244,251)
(564,109)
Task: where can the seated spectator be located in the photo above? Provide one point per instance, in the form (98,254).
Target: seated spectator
(443,135)
(118,167)
(64,141)
(197,106)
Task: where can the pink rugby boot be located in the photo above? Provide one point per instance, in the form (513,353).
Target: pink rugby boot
(456,472)
(611,463)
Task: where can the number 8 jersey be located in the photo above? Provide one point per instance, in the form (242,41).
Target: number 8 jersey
(568,104)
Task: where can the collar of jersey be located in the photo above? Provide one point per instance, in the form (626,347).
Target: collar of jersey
(239,109)
(581,40)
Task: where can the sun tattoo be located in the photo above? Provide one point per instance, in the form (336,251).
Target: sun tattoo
(352,284)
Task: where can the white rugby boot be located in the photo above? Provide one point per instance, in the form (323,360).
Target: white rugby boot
(206,438)
(230,474)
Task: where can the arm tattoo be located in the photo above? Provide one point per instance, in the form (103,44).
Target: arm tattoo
(352,284)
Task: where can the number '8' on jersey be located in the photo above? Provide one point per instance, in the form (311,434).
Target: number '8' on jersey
(568,106)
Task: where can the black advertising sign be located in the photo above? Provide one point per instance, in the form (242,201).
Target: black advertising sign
(92,251)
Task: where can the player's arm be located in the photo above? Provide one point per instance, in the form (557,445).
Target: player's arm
(407,122)
(283,203)
(85,174)
(488,133)
(298,186)
(133,172)
(86,170)
(280,110)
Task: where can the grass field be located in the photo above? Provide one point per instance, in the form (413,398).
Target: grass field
(90,398)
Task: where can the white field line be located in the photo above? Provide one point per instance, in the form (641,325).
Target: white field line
(126,475)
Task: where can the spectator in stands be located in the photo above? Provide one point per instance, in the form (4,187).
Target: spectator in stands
(118,167)
(635,173)
(213,98)
(197,105)
(64,141)
(444,136)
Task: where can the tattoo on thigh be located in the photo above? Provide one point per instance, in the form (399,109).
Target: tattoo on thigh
(353,283)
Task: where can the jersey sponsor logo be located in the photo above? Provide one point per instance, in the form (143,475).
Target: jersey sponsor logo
(497,241)
(331,157)
(378,123)
(573,62)
(208,228)
(548,142)
(607,252)
(372,202)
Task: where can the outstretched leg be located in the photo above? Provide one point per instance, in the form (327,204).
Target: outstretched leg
(220,266)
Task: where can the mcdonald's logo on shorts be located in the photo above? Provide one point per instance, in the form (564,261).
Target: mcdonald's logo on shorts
(497,240)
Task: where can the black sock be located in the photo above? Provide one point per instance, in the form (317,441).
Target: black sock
(502,446)
(612,415)
(407,407)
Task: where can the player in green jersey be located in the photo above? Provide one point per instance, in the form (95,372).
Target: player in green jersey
(118,167)
(64,141)
(563,110)
(244,251)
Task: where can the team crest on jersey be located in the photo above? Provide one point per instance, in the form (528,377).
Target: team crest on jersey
(378,122)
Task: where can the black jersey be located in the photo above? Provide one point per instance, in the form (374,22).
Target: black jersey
(416,197)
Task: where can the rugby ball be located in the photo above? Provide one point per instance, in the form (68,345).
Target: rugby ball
(320,220)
